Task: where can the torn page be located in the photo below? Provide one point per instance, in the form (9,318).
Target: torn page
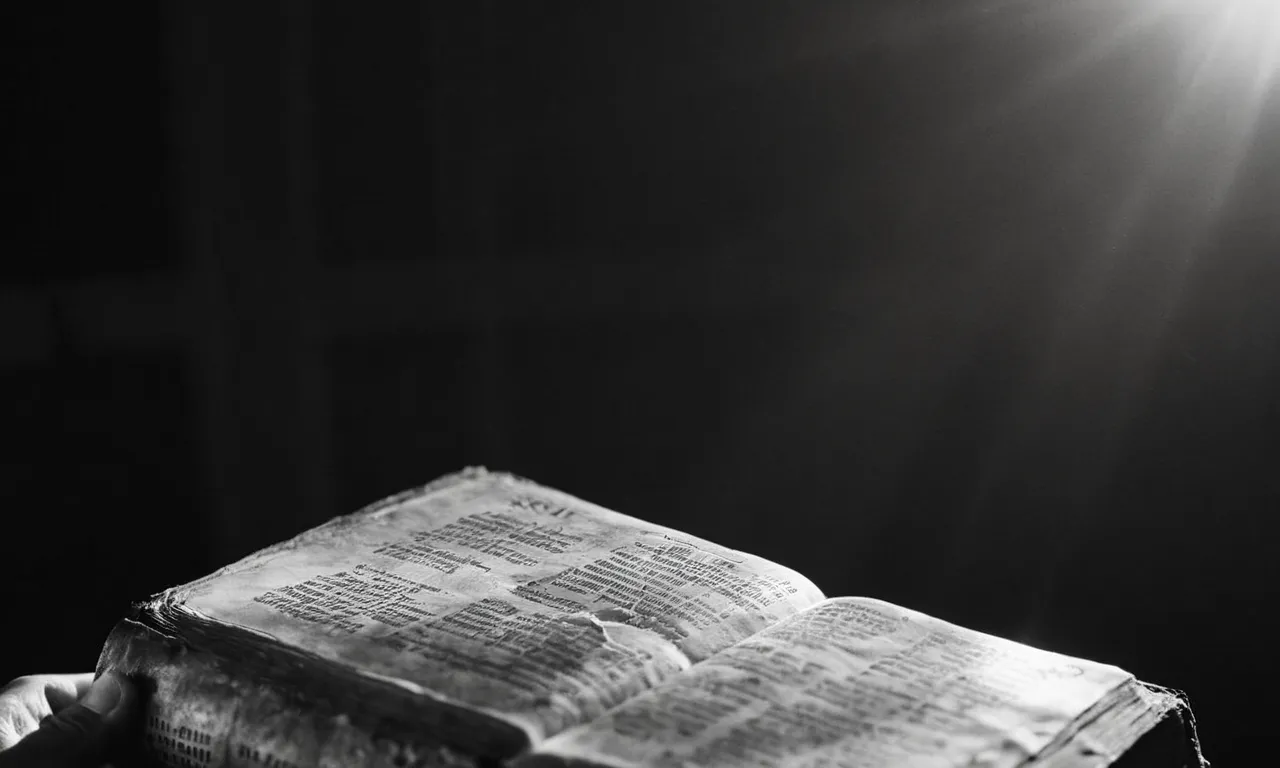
(850,682)
(1158,721)
(502,596)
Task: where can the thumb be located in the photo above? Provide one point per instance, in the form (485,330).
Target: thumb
(78,735)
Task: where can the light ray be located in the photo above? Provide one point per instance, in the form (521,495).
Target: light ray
(1225,76)
(1204,143)
(1042,85)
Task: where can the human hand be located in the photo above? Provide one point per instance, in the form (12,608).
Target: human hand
(63,721)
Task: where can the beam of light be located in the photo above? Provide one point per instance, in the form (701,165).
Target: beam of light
(1249,29)
(1253,29)
(1140,17)
(1220,62)
(1229,63)
(1228,67)
(1228,72)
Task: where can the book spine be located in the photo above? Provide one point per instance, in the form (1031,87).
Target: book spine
(200,711)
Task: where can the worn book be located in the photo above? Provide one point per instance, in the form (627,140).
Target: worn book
(486,620)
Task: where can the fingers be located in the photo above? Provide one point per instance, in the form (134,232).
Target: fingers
(64,690)
(26,701)
(78,735)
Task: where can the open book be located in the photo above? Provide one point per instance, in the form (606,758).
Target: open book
(486,620)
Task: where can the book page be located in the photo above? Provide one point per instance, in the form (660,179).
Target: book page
(850,682)
(497,594)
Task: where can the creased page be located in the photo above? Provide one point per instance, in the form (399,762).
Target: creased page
(850,682)
(502,596)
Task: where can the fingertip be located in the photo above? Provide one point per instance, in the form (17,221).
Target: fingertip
(128,696)
(78,682)
(118,695)
(103,696)
(68,689)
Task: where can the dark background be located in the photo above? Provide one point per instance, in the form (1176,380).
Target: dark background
(970,306)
